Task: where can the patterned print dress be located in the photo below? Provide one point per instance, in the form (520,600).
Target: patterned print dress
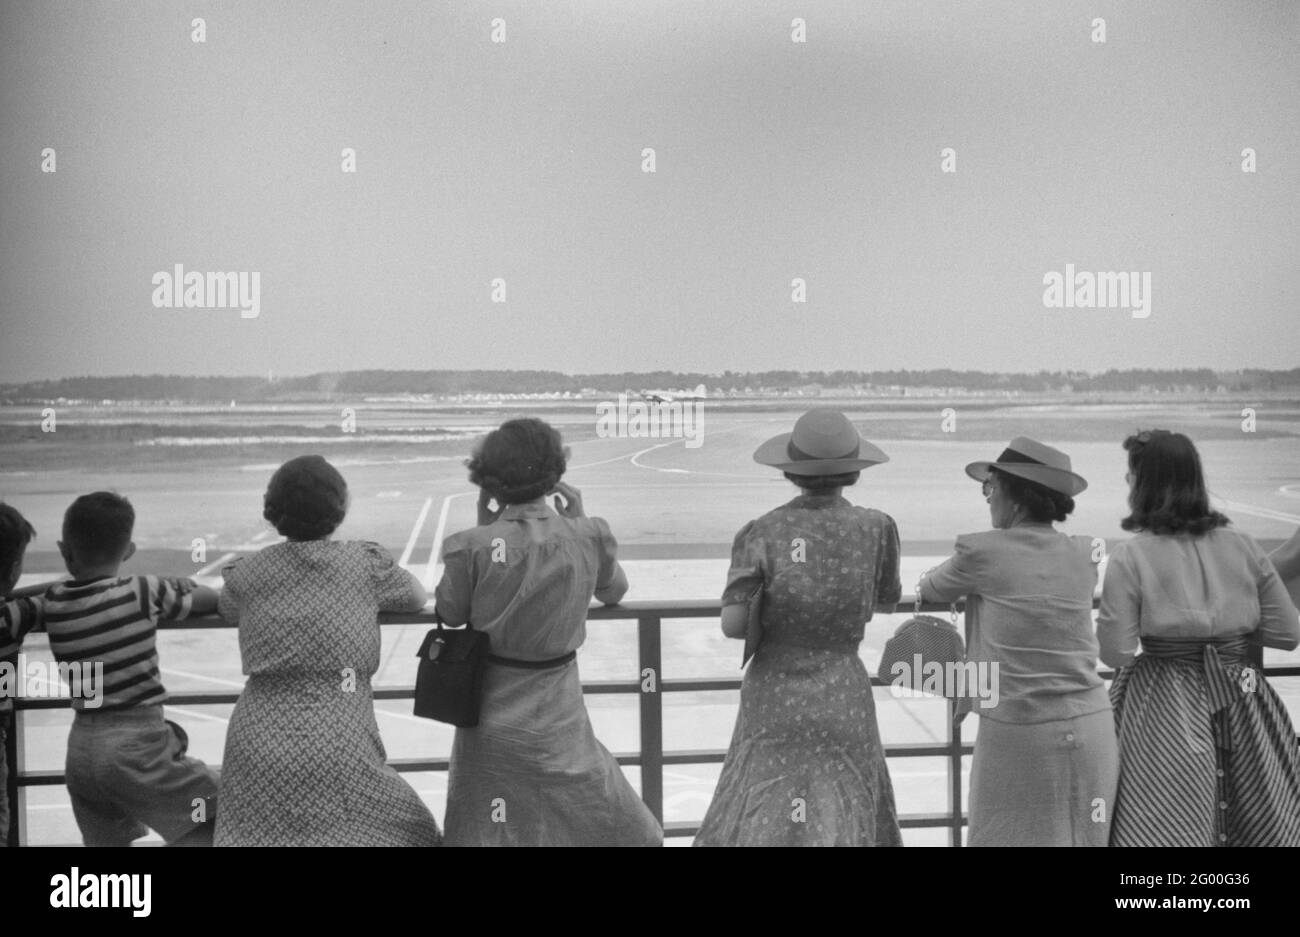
(806,766)
(304,763)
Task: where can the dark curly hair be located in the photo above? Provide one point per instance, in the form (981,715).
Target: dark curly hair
(1042,504)
(1168,495)
(306,499)
(520,460)
(823,482)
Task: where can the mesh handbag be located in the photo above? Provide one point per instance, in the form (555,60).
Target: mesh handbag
(921,640)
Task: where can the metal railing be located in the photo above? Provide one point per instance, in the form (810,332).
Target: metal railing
(649,687)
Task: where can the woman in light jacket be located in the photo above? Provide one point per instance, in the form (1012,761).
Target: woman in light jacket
(1046,762)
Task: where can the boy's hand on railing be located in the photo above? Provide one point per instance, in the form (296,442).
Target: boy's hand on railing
(28,591)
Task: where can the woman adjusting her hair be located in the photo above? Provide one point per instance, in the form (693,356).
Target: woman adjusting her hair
(1045,763)
(532,773)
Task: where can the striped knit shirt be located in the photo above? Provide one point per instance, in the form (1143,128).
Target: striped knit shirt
(17,618)
(114,620)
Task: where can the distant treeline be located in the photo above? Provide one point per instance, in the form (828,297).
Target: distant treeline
(441,383)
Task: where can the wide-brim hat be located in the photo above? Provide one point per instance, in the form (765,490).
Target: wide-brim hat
(823,442)
(1033,461)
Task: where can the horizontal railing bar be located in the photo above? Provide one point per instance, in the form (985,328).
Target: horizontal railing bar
(608,686)
(700,756)
(695,756)
(912,821)
(588,686)
(224,698)
(672,608)
(920,821)
(685,756)
(701,685)
(594,687)
(927,749)
(41,779)
(404,765)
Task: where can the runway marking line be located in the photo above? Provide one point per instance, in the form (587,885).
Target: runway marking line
(415,533)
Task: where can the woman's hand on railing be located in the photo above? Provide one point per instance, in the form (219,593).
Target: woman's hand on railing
(613,593)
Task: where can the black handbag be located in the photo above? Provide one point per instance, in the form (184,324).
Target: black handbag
(449,681)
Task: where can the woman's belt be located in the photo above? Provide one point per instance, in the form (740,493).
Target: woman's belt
(532,664)
(1227,650)
(1214,655)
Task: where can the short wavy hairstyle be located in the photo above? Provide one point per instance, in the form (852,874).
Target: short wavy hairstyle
(1042,504)
(306,499)
(1168,493)
(518,461)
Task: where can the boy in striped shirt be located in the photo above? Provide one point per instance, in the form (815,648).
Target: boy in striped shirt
(126,767)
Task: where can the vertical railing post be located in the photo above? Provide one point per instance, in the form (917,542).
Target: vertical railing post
(11,777)
(954,775)
(650,673)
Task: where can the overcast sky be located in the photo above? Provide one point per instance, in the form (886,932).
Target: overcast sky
(523,160)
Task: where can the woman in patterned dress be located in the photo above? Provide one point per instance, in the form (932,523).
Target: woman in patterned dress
(1046,761)
(806,766)
(532,772)
(1208,754)
(304,764)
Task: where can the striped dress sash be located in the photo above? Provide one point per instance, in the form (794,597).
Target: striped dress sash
(1215,655)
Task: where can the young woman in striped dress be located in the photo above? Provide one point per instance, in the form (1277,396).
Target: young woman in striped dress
(1208,755)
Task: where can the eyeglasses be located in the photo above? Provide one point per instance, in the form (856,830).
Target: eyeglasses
(988,485)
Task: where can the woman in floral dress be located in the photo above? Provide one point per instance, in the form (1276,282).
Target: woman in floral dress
(806,766)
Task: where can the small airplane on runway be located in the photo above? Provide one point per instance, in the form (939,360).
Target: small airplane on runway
(673,396)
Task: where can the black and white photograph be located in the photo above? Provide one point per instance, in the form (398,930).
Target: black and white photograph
(653,423)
